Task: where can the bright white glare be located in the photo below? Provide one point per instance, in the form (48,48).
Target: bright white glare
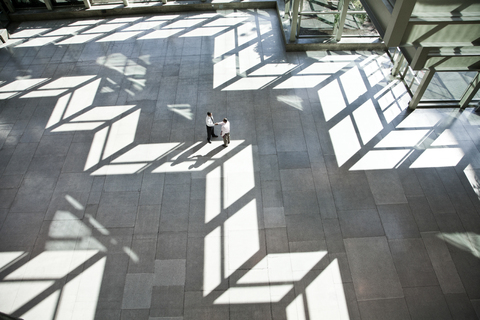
(367,120)
(143,26)
(213,194)
(208,148)
(103,113)
(184,23)
(385,89)
(257,294)
(71,228)
(17,294)
(64,31)
(82,98)
(467,241)
(446,138)
(20,85)
(86,22)
(45,309)
(376,78)
(67,82)
(117,169)
(43,93)
(244,84)
(273,69)
(7,258)
(38,42)
(241,237)
(299,82)
(160,34)
(80,295)
(122,133)
(473,178)
(344,140)
(79,39)
(202,15)
(186,151)
(104,28)
(182,109)
(27,33)
(224,43)
(227,22)
(345,57)
(293,101)
(295,310)
(325,295)
(240,176)
(324,67)
(77,205)
(85,126)
(124,20)
(353,85)
(96,148)
(224,71)
(380,159)
(212,261)
(284,267)
(203,32)
(386,100)
(422,118)
(131,254)
(163,17)
(392,112)
(4,96)
(265,26)
(331,99)
(246,32)
(184,166)
(249,58)
(97,225)
(402,139)
(119,36)
(51,265)
(146,152)
(439,157)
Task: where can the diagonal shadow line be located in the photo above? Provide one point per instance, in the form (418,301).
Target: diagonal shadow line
(59,284)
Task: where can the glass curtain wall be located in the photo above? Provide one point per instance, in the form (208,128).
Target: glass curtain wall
(323,18)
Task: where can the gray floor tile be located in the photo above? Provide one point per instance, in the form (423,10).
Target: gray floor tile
(296,179)
(386,187)
(384,309)
(398,221)
(274,217)
(460,306)
(300,202)
(426,303)
(412,263)
(351,192)
(170,272)
(118,209)
(144,249)
(138,291)
(167,301)
(360,223)
(373,272)
(293,160)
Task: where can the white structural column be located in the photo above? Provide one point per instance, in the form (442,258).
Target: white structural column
(399,22)
(9,5)
(293,29)
(343,8)
(48,3)
(471,91)
(87,4)
(417,96)
(397,64)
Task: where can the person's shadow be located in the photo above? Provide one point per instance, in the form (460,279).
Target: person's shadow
(202,159)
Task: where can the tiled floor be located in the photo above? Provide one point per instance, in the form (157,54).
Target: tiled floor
(331,202)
